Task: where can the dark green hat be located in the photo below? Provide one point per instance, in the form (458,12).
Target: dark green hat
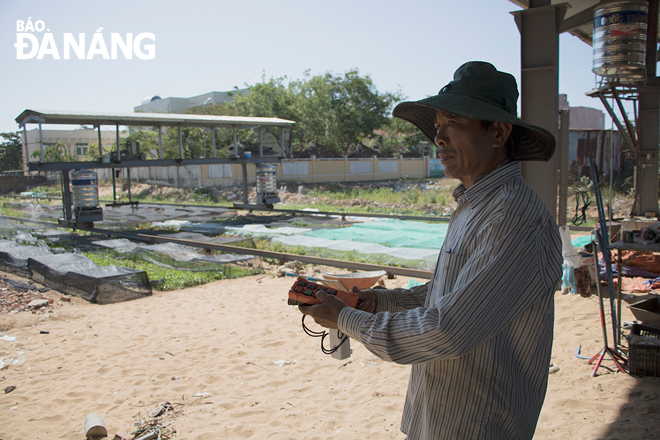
(480,91)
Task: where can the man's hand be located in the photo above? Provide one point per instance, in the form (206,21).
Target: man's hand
(326,313)
(367,298)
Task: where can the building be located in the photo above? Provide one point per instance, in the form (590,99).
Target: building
(156,104)
(583,118)
(76,141)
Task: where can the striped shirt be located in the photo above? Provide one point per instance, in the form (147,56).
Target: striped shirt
(479,334)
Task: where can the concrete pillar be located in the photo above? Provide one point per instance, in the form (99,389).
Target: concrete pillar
(539,104)
(646,178)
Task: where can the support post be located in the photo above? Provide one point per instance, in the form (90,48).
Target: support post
(261,142)
(646,179)
(128,176)
(66,195)
(41,145)
(245,183)
(25,148)
(235,143)
(180,143)
(100,144)
(118,144)
(160,141)
(539,60)
(562,151)
(215,150)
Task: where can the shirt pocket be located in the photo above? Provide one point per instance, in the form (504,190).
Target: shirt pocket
(452,259)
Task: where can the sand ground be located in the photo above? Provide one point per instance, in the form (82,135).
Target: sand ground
(233,361)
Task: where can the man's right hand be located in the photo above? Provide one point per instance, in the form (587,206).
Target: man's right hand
(368,298)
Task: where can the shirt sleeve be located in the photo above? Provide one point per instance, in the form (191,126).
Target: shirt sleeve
(510,267)
(397,300)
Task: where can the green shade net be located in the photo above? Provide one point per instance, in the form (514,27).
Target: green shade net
(389,233)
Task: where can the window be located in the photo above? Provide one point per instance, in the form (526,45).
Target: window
(81,148)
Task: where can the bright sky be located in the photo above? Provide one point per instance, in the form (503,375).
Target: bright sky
(203,46)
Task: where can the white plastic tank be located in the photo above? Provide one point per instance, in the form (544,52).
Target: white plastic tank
(266,182)
(85,189)
(619,40)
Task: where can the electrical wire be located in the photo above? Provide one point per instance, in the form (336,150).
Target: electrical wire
(581,212)
(323,334)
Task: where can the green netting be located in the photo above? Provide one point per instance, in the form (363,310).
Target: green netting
(581,241)
(390,233)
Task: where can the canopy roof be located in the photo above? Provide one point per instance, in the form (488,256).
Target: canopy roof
(579,18)
(145,119)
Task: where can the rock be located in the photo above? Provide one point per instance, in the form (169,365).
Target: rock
(37,304)
(65,298)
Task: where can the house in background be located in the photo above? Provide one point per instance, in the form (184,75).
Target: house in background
(156,104)
(76,141)
(583,118)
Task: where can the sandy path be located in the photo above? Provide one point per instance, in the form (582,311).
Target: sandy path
(226,338)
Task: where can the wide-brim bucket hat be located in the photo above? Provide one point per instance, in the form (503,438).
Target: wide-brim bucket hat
(480,91)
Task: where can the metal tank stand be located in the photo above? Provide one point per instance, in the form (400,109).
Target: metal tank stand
(603,243)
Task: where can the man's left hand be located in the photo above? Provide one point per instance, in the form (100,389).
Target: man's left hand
(326,313)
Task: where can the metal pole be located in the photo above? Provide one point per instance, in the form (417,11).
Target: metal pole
(100,145)
(41,144)
(114,186)
(215,152)
(180,144)
(245,183)
(66,195)
(261,142)
(128,174)
(562,152)
(118,146)
(25,147)
(235,143)
(282,141)
(160,141)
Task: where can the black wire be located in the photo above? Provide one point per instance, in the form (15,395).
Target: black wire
(322,335)
(581,212)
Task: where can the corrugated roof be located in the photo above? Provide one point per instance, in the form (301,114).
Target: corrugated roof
(144,119)
(579,18)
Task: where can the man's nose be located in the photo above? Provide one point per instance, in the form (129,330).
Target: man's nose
(440,137)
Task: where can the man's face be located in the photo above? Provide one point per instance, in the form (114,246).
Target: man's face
(466,149)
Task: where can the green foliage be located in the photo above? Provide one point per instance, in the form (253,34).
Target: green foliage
(11,152)
(170,279)
(397,137)
(55,153)
(93,153)
(337,112)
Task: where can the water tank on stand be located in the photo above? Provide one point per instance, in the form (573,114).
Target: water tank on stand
(266,185)
(85,195)
(619,41)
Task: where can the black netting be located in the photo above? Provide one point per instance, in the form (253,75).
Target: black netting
(77,275)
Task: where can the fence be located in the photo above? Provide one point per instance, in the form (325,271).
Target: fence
(313,170)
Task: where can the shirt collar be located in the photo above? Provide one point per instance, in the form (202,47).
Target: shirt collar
(485,184)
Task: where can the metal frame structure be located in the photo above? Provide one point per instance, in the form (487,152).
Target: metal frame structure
(540,24)
(157,120)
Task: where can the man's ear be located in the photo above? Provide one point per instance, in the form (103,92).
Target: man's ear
(501,131)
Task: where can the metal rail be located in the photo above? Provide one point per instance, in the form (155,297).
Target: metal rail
(283,211)
(391,270)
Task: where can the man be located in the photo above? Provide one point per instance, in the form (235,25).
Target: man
(479,334)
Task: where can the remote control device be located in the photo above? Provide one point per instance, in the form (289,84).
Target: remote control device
(303,293)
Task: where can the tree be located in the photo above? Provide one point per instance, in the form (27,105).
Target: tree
(397,137)
(11,152)
(55,153)
(337,112)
